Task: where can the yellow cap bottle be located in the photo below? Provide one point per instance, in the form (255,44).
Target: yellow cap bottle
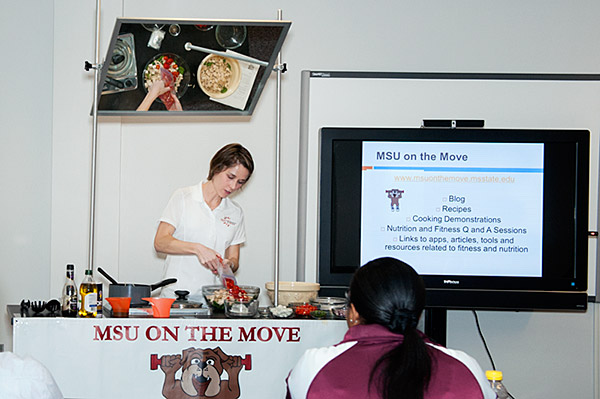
(495,379)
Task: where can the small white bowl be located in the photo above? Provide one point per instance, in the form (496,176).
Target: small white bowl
(234,80)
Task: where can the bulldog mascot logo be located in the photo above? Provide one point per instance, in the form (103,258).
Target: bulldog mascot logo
(201,374)
(394,195)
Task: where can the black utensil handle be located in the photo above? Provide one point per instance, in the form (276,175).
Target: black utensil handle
(53,305)
(102,272)
(116,83)
(163,283)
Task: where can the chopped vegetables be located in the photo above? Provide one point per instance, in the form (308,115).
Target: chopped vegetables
(304,310)
(152,71)
(217,299)
(318,314)
(235,292)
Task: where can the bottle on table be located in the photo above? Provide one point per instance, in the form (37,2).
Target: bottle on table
(88,296)
(100,298)
(495,379)
(69,294)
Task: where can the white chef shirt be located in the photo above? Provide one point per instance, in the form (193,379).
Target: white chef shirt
(194,221)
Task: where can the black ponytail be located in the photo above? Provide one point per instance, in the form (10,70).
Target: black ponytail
(389,292)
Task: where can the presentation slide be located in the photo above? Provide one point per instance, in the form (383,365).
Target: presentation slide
(454,208)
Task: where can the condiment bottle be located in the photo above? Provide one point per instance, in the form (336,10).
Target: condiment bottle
(88,295)
(69,294)
(495,379)
(100,298)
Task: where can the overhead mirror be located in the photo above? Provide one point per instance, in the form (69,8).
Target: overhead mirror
(169,66)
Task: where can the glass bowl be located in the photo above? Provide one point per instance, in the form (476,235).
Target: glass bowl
(183,71)
(230,36)
(243,303)
(264,312)
(215,297)
(339,313)
(251,291)
(220,300)
(328,302)
(302,308)
(241,307)
(320,314)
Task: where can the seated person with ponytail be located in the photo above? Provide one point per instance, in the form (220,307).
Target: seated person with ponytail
(383,355)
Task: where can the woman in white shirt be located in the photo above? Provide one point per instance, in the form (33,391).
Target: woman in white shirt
(201,227)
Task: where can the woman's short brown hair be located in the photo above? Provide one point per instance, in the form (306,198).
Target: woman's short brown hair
(228,156)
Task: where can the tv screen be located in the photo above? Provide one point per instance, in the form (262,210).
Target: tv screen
(492,219)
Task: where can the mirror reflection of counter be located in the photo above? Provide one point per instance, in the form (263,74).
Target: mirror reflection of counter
(134,46)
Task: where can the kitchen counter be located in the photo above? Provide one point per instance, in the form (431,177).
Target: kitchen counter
(135,357)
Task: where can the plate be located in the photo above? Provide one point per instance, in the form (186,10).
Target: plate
(219,76)
(183,70)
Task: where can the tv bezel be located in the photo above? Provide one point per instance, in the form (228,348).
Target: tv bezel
(514,293)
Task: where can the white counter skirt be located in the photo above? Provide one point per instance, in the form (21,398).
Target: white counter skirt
(108,357)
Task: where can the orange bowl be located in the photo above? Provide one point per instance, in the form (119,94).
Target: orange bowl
(120,306)
(161,307)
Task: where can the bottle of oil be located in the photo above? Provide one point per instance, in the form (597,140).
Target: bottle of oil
(88,295)
(69,295)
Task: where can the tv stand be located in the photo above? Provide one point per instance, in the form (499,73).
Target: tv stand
(436,324)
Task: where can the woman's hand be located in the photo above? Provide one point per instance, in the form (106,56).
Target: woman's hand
(176,104)
(228,262)
(209,258)
(155,89)
(164,242)
(158,88)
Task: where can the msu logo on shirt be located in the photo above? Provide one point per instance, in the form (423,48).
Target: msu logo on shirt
(227,221)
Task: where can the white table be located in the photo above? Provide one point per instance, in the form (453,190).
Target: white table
(117,358)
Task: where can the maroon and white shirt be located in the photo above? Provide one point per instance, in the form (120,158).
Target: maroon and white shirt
(343,370)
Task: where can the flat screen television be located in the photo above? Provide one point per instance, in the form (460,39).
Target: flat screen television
(491,218)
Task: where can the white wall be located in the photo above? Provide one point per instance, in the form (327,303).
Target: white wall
(25,154)
(542,354)
(457,36)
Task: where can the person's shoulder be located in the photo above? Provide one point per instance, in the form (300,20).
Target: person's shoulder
(231,205)
(318,357)
(462,366)
(188,191)
(453,353)
(310,364)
